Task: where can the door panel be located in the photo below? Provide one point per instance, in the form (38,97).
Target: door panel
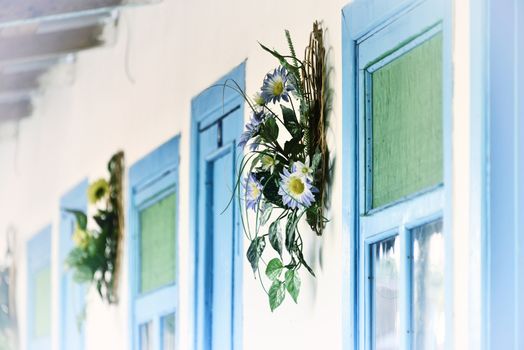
(217,124)
(218,225)
(220,174)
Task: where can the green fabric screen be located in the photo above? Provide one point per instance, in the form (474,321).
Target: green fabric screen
(157,244)
(42,303)
(407,149)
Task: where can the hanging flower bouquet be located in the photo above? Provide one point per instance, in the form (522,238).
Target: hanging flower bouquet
(286,164)
(95,255)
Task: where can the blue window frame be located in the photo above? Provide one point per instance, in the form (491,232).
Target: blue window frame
(72,295)
(217,122)
(153,228)
(383,243)
(503,171)
(39,301)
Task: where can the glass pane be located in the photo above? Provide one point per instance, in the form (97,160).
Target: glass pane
(428,287)
(385,265)
(157,244)
(145,333)
(407,149)
(168,332)
(42,303)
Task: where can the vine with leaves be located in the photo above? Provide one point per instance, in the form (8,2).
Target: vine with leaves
(95,256)
(286,164)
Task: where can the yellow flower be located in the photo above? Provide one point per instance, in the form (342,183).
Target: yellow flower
(80,237)
(97,190)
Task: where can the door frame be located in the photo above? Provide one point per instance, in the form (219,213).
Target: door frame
(152,178)
(75,198)
(214,95)
(360,20)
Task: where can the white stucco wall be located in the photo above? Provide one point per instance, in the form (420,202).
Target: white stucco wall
(174,50)
(89,110)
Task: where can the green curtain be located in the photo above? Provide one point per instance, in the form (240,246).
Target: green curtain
(42,303)
(407,148)
(158,244)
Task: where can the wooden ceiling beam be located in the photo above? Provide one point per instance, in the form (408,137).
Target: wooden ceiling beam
(15,110)
(20,81)
(13,11)
(53,38)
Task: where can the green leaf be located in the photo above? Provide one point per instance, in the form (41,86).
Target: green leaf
(303,261)
(74,257)
(293,284)
(265,212)
(255,162)
(277,293)
(270,130)
(291,47)
(293,147)
(316,161)
(92,247)
(313,218)
(270,187)
(254,252)
(82,274)
(274,269)
(291,122)
(275,237)
(290,233)
(81,218)
(273,52)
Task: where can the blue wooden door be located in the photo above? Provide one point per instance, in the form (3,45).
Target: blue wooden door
(217,129)
(72,294)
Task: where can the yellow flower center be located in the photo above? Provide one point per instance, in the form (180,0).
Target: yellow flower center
(255,191)
(278,88)
(305,170)
(296,186)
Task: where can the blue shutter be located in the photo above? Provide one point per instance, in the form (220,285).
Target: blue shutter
(153,184)
(72,295)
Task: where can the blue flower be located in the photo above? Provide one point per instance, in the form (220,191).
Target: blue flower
(277,86)
(252,128)
(253,191)
(296,190)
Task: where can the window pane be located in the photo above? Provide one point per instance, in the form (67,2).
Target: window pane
(145,333)
(42,303)
(406,106)
(428,285)
(168,332)
(385,264)
(157,244)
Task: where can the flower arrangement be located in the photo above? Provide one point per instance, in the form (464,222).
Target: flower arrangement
(286,164)
(95,256)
